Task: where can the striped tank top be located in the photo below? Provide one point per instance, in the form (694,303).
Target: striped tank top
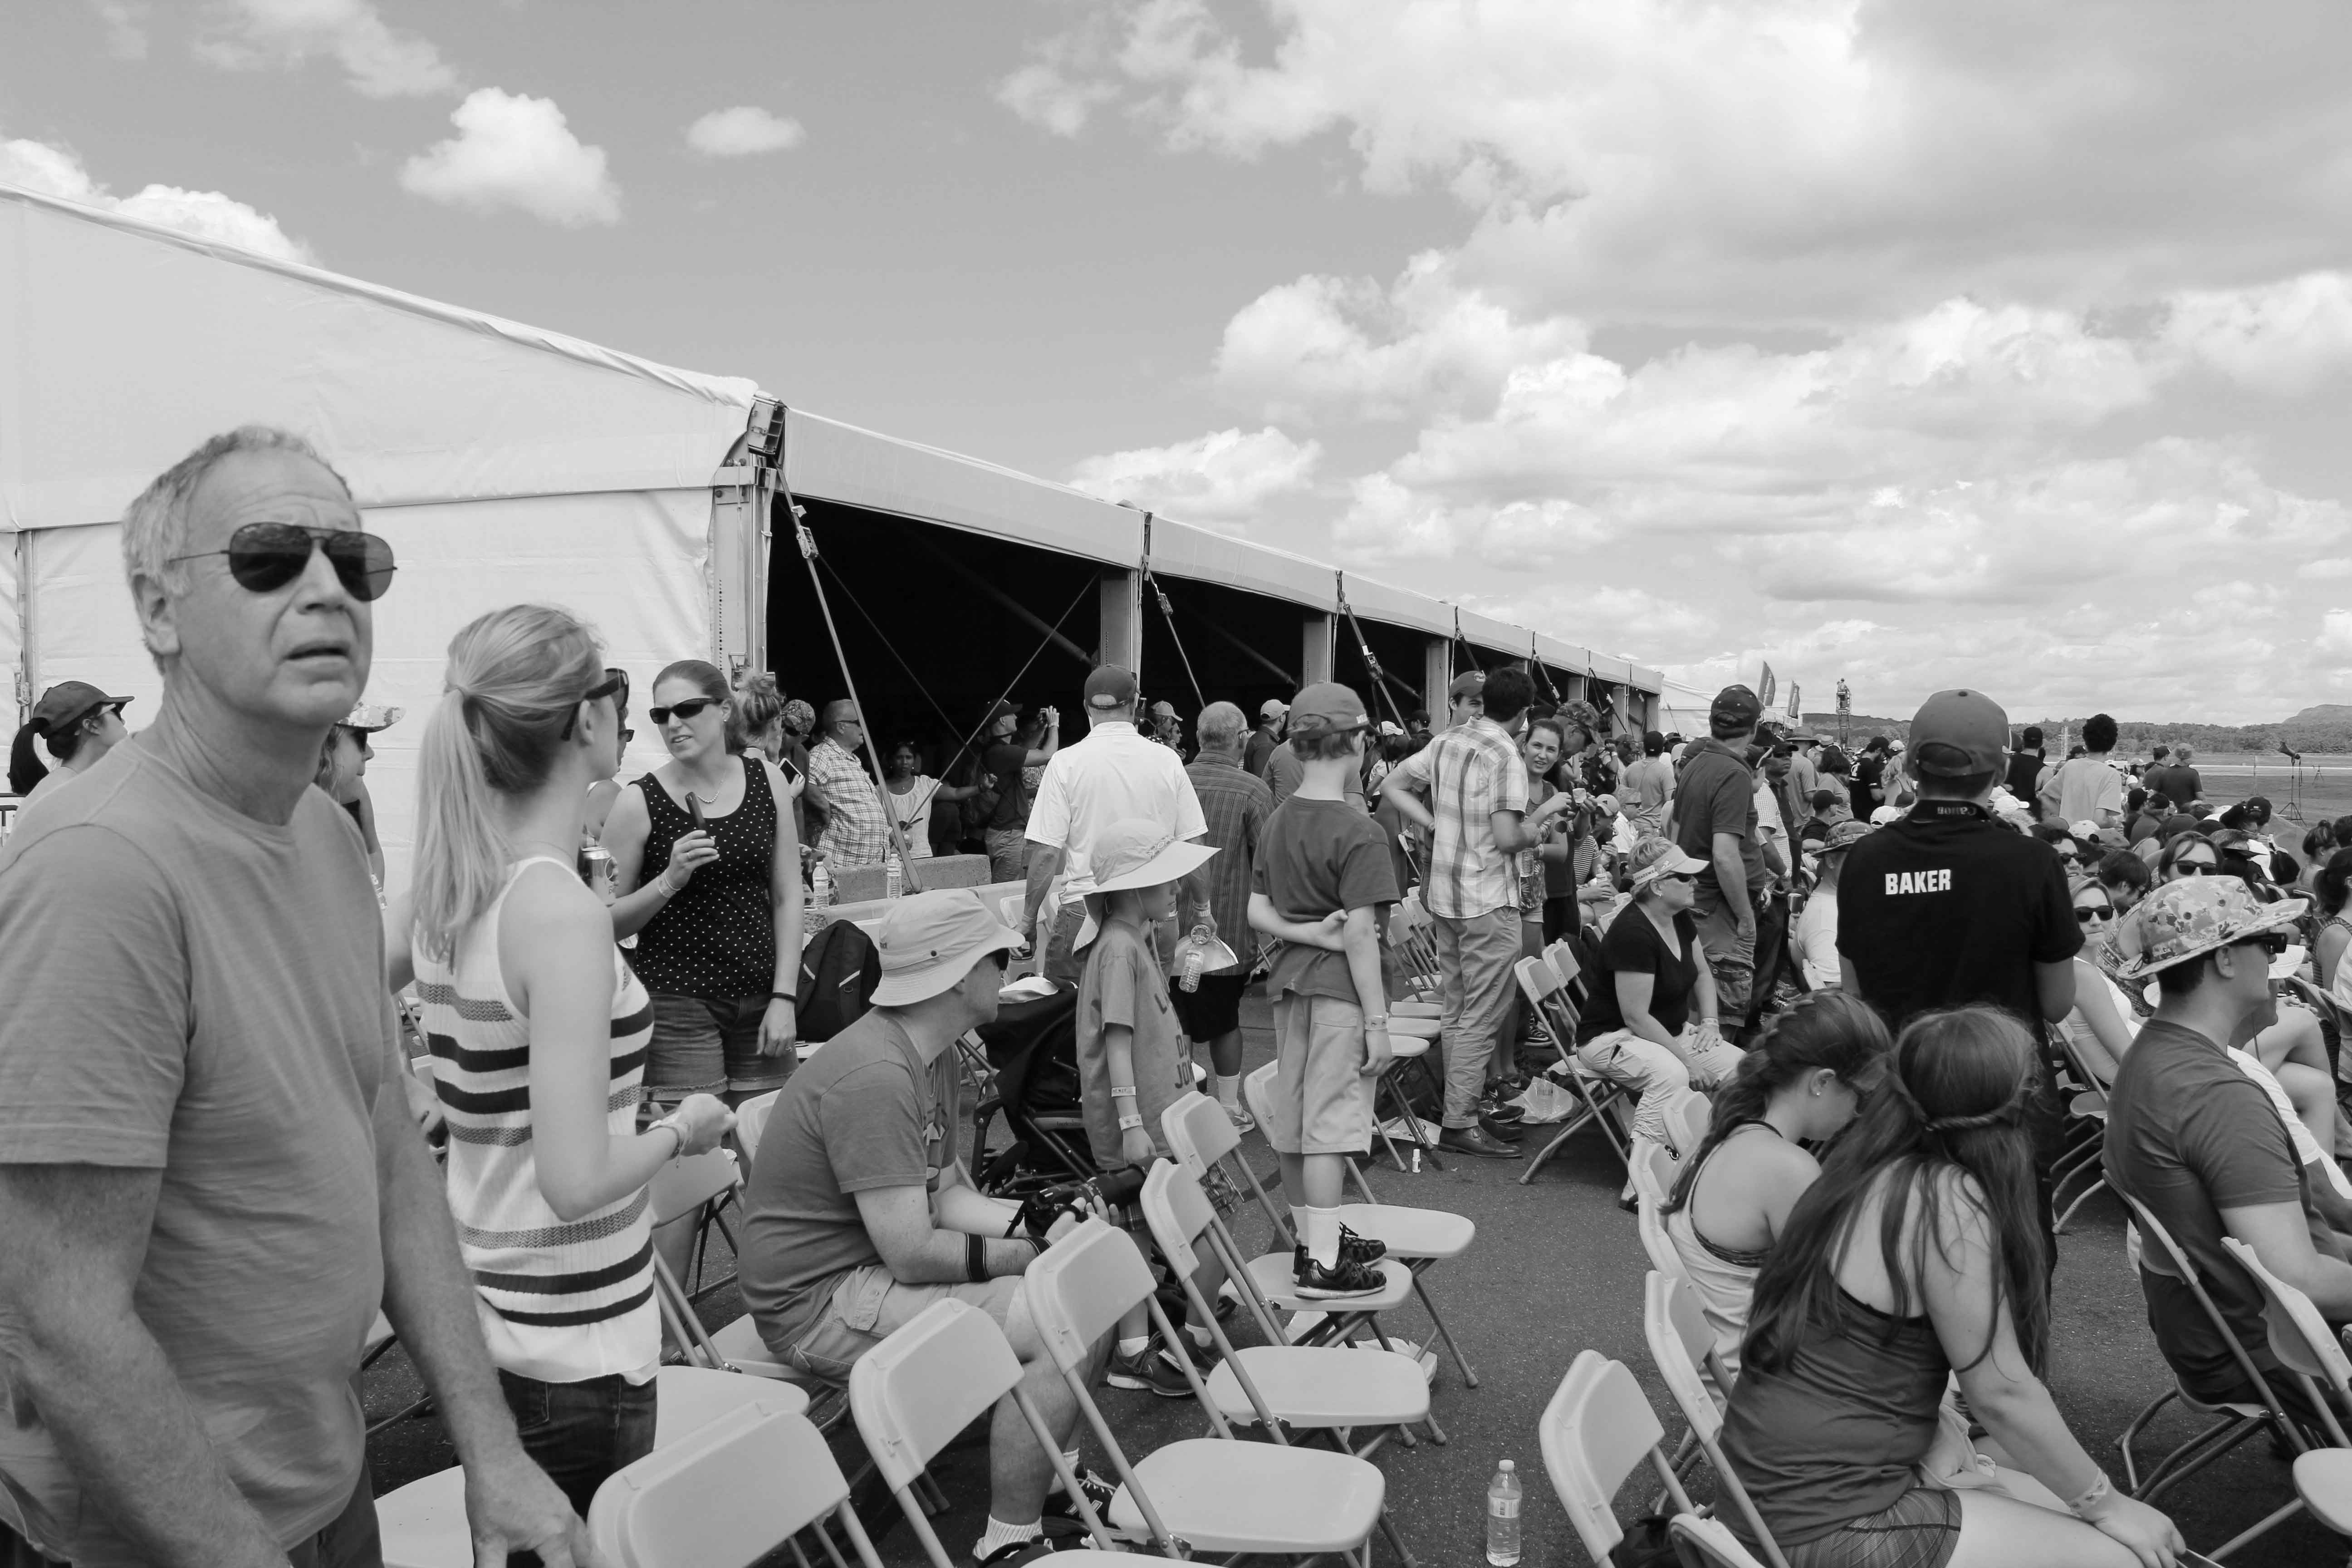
(561,1301)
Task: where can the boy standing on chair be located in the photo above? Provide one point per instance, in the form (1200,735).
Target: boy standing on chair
(1321,883)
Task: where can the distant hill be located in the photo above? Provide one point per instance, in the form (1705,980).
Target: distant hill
(2321,714)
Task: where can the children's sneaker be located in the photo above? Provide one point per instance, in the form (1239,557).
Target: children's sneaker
(1239,1116)
(1147,1372)
(1349,1276)
(1362,1248)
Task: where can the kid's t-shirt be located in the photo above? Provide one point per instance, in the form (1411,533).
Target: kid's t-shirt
(1318,856)
(1122,985)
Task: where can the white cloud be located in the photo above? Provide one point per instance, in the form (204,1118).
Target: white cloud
(741,131)
(126,27)
(379,62)
(2334,633)
(207,215)
(1039,93)
(1223,478)
(2281,338)
(513,151)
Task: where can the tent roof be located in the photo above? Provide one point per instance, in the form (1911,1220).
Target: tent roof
(120,343)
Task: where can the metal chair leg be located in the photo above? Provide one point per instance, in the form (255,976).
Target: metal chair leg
(1469,1377)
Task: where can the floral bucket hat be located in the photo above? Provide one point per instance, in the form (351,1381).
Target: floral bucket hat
(2199,915)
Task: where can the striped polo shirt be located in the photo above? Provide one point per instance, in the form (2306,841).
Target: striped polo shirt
(560,1300)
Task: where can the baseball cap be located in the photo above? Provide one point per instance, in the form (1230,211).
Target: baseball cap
(1327,707)
(1656,856)
(1273,708)
(1736,709)
(69,702)
(370,717)
(927,942)
(1002,710)
(1607,803)
(2198,915)
(1168,709)
(1957,734)
(1469,683)
(1110,686)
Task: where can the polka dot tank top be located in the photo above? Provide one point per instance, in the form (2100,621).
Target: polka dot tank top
(718,938)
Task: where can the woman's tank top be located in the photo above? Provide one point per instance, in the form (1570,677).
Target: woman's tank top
(560,1300)
(1722,1278)
(716,938)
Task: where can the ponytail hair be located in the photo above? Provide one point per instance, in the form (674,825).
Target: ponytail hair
(1944,1133)
(516,677)
(1829,1029)
(25,768)
(759,706)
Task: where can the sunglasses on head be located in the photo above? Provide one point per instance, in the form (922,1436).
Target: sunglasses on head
(613,680)
(264,556)
(685,710)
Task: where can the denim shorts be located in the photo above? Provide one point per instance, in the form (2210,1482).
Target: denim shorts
(580,1433)
(868,1306)
(704,1044)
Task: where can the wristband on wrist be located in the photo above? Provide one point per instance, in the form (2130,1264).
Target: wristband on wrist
(785,996)
(663,885)
(1127,1094)
(1130,1121)
(1376,1020)
(2091,1496)
(676,1130)
(975,1260)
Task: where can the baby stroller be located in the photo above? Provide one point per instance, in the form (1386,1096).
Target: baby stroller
(1034,1048)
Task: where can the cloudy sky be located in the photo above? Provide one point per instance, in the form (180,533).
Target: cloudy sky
(2004,344)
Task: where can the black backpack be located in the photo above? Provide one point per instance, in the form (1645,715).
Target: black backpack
(839,970)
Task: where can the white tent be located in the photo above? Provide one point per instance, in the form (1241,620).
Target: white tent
(502,462)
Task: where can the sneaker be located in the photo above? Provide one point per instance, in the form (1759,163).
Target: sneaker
(1021,1551)
(1203,1357)
(1146,1371)
(1242,1120)
(1477,1142)
(1345,1277)
(1098,1490)
(1362,1248)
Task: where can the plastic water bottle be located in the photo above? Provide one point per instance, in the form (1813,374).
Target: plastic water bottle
(820,895)
(1196,959)
(894,880)
(1503,1516)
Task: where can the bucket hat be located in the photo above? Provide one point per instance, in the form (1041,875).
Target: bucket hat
(2198,915)
(1137,852)
(927,942)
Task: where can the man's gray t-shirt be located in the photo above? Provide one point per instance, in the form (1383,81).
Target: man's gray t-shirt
(862,1114)
(192,990)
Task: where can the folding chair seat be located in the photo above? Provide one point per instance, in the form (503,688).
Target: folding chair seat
(2086,1118)
(1543,988)
(2235,1421)
(913,1393)
(1683,1346)
(1711,1541)
(1213,1494)
(1595,1432)
(751,1120)
(1654,1175)
(727,1496)
(1309,1387)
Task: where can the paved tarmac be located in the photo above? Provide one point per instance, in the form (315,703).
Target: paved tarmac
(1559,1269)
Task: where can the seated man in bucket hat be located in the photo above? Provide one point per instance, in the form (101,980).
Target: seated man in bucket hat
(2195,1138)
(858,1215)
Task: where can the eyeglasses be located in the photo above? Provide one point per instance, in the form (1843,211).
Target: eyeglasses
(2196,867)
(613,680)
(2086,913)
(264,556)
(685,710)
(2271,941)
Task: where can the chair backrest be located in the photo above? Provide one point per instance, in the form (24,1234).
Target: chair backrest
(1712,1540)
(1539,981)
(2170,1261)
(751,1120)
(686,1183)
(1178,1212)
(1653,1176)
(1597,1429)
(1687,1116)
(1680,1341)
(914,1392)
(723,1496)
(1199,1132)
(2299,1336)
(1083,1285)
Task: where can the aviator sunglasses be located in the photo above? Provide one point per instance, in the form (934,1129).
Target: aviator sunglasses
(685,710)
(264,556)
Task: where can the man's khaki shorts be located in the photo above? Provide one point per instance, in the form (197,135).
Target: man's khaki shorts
(1322,1098)
(868,1306)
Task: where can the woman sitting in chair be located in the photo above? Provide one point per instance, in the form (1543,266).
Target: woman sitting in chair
(1802,1083)
(1919,1253)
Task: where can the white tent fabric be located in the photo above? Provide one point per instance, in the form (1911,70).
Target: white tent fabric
(1203,555)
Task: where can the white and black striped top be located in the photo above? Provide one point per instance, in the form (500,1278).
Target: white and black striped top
(559,1300)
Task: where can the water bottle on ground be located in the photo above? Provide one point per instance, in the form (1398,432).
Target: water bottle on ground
(894,880)
(1503,1516)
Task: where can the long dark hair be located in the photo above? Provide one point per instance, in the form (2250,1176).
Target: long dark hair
(1832,1029)
(1945,1131)
(25,768)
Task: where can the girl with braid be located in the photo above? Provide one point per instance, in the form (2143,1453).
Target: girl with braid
(1917,1254)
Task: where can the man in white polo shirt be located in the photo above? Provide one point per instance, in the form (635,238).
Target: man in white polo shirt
(1116,772)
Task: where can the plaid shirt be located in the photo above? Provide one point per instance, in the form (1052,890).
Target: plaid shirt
(1469,774)
(1236,806)
(855,832)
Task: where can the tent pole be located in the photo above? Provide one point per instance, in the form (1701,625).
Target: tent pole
(1037,622)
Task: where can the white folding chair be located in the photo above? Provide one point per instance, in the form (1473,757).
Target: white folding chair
(727,1496)
(1596,1431)
(2087,1129)
(2300,1341)
(1711,1540)
(2235,1421)
(913,1393)
(751,1121)
(1418,1238)
(1212,1494)
(1653,1178)
(1320,1388)
(688,1191)
(1540,983)
(1688,1115)
(1682,1346)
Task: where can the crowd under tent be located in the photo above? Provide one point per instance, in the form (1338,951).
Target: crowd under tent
(508,463)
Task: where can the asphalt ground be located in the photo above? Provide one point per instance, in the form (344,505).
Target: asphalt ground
(1557,1269)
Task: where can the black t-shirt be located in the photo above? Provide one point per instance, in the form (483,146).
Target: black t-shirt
(1005,762)
(1632,946)
(2025,777)
(1868,770)
(1948,907)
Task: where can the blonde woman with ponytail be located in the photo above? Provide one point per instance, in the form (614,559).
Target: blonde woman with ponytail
(538,1031)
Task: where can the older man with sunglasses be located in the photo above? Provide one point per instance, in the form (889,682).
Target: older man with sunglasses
(208,1176)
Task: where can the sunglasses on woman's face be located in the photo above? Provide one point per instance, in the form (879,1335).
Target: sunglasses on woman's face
(685,710)
(264,556)
(1679,876)
(2086,913)
(2196,867)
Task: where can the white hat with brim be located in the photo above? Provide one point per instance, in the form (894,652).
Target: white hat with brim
(928,941)
(1674,862)
(1141,853)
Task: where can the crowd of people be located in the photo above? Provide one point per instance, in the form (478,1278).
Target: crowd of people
(1880,967)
